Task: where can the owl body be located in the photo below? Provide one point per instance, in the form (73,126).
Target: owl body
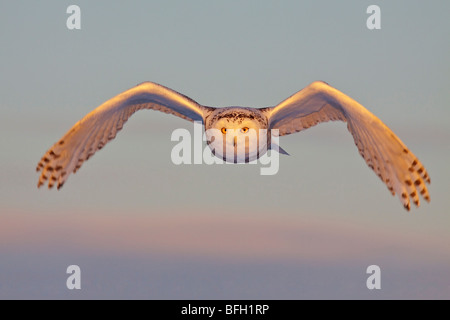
(239,135)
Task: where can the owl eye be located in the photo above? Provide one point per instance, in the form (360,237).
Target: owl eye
(244,130)
(224,130)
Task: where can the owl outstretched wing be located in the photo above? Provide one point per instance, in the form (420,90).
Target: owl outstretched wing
(101,125)
(382,150)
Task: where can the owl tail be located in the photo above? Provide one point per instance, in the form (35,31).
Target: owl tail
(277,148)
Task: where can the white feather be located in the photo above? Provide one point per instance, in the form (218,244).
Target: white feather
(102,124)
(382,150)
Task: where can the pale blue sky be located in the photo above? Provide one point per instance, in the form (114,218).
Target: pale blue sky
(328,210)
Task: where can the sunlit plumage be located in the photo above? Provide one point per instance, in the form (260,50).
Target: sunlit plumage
(382,150)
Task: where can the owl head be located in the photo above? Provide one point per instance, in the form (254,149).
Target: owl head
(237,135)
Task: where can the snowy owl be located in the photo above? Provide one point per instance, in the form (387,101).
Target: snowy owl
(382,150)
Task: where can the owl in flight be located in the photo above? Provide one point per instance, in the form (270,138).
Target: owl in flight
(382,150)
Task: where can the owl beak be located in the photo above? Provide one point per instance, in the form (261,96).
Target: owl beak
(235,142)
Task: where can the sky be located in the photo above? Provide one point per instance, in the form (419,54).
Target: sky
(141,227)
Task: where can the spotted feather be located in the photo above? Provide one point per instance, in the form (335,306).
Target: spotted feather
(381,149)
(101,125)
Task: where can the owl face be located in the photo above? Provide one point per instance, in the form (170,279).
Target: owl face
(237,135)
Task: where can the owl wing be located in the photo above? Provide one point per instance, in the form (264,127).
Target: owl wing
(102,124)
(382,150)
